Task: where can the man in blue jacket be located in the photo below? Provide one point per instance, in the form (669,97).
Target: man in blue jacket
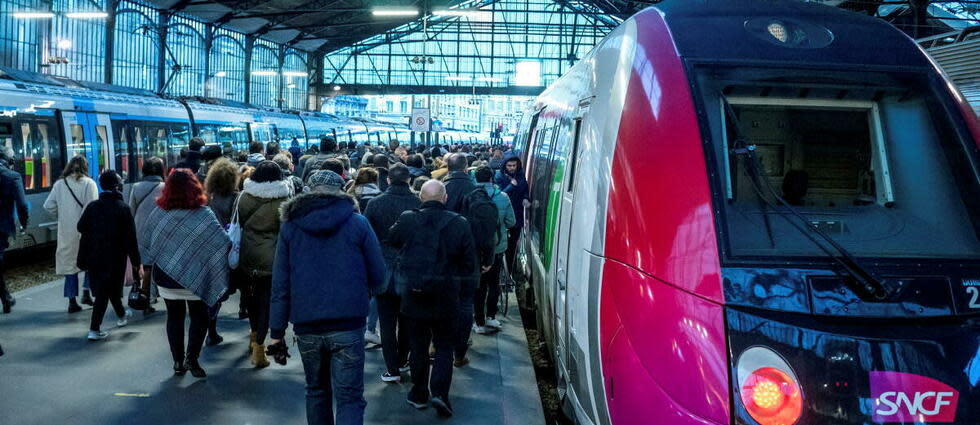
(511,181)
(11,199)
(328,263)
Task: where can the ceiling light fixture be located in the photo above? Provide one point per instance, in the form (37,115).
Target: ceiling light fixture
(294,74)
(395,12)
(33,15)
(220,74)
(336,88)
(473,14)
(490,79)
(265,73)
(87,15)
(458,78)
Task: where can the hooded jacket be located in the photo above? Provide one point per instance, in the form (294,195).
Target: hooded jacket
(328,262)
(505,215)
(517,193)
(12,199)
(258,215)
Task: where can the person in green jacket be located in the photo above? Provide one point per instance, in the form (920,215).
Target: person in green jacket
(487,294)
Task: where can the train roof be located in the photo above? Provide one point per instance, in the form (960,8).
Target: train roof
(741,31)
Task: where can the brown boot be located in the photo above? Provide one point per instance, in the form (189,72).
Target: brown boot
(258,356)
(251,344)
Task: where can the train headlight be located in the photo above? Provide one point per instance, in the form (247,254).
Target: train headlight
(778,31)
(768,388)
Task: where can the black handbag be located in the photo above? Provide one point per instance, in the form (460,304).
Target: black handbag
(137,299)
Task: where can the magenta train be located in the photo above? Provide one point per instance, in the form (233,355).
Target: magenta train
(756,212)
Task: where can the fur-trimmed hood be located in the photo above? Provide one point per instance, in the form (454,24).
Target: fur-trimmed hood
(317,212)
(269,190)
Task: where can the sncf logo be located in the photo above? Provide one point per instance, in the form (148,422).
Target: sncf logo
(904,397)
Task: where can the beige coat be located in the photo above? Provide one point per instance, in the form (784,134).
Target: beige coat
(61,204)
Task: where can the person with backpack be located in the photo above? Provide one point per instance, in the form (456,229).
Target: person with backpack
(13,202)
(327,264)
(67,199)
(328,150)
(436,254)
(488,293)
(473,203)
(108,242)
(382,212)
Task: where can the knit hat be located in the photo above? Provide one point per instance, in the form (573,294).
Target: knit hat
(325,180)
(266,171)
(254,159)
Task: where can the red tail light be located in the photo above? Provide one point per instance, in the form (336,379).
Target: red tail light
(772,397)
(768,388)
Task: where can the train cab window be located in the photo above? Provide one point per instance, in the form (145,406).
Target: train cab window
(885,175)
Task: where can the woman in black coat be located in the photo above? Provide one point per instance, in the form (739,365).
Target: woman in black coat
(108,240)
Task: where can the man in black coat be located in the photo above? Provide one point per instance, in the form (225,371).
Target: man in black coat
(382,212)
(433,314)
(193,159)
(380,162)
(108,241)
(12,199)
(458,182)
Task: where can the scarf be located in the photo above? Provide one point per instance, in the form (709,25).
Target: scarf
(191,247)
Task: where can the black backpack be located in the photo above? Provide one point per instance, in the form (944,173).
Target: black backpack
(422,265)
(482,214)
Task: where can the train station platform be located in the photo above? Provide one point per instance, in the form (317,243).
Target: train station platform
(51,374)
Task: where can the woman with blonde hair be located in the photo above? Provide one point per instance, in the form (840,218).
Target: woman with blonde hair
(221,188)
(67,200)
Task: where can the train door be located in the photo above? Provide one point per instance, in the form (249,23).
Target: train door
(564,162)
(89,134)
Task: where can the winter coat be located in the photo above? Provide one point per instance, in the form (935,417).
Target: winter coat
(458,185)
(328,263)
(382,213)
(12,199)
(417,172)
(440,173)
(258,215)
(456,249)
(314,163)
(223,207)
(108,239)
(496,163)
(517,193)
(364,194)
(61,203)
(142,201)
(382,178)
(505,213)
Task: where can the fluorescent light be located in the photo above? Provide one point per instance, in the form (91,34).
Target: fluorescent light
(33,15)
(291,86)
(395,12)
(64,44)
(294,73)
(473,14)
(490,79)
(336,88)
(87,15)
(265,73)
(220,74)
(459,78)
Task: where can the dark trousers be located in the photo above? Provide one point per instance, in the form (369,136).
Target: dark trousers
(488,293)
(395,343)
(260,293)
(176,311)
(4,292)
(101,305)
(334,366)
(440,333)
(512,235)
(464,318)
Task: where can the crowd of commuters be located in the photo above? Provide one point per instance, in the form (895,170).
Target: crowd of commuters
(350,244)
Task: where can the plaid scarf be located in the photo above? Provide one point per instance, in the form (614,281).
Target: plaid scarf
(191,247)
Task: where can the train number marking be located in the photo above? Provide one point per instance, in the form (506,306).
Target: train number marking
(972,287)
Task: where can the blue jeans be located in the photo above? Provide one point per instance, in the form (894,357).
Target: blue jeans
(334,366)
(372,319)
(71,285)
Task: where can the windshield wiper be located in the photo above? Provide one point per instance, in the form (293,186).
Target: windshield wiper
(864,283)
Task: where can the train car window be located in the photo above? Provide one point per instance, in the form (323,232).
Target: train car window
(883,172)
(102,138)
(157,140)
(577,128)
(139,151)
(26,155)
(542,171)
(179,139)
(76,146)
(121,149)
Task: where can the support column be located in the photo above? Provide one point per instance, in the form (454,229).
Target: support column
(282,79)
(208,46)
(162,28)
(110,37)
(249,47)
(315,83)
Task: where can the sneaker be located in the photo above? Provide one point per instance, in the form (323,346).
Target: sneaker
(416,404)
(372,338)
(405,368)
(74,308)
(482,330)
(493,323)
(442,407)
(125,319)
(97,335)
(387,377)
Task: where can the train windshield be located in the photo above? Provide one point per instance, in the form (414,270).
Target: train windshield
(870,160)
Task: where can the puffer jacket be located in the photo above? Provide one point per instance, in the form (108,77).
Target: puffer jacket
(382,212)
(258,215)
(505,215)
(328,263)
